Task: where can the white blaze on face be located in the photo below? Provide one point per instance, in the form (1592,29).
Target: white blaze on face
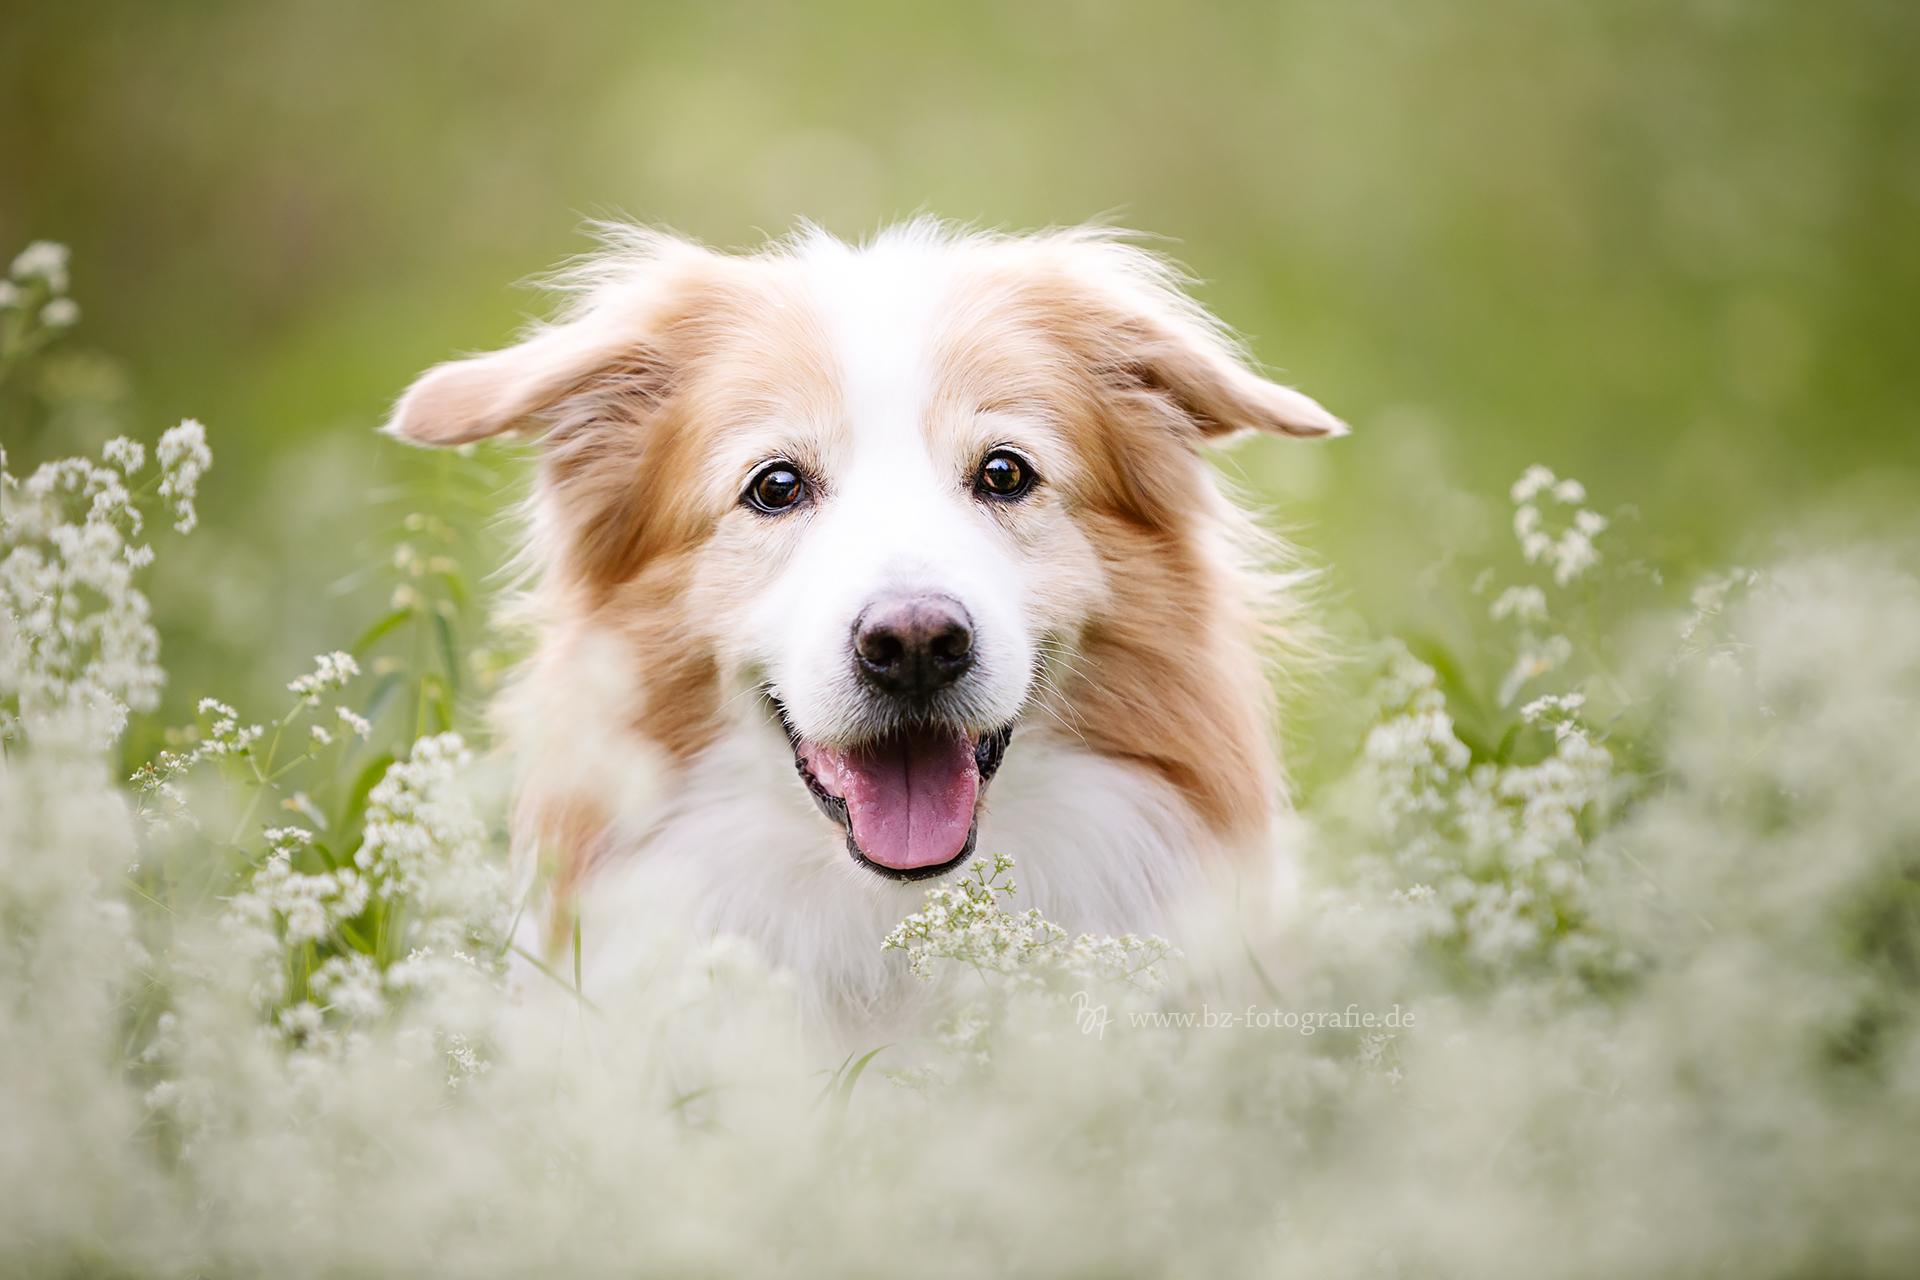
(893,518)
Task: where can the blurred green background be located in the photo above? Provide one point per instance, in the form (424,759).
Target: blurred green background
(1670,248)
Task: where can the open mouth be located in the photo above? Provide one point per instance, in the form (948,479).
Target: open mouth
(909,800)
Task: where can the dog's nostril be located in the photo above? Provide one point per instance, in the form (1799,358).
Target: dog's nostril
(880,648)
(951,645)
(913,645)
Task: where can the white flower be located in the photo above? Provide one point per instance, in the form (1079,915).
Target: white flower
(128,455)
(43,260)
(1561,711)
(226,736)
(1710,600)
(1569,551)
(287,839)
(61,313)
(308,907)
(1521,604)
(1574,554)
(352,987)
(162,769)
(1532,482)
(1488,855)
(78,651)
(184,458)
(425,843)
(303,1023)
(464,1061)
(1552,706)
(964,922)
(331,671)
(357,725)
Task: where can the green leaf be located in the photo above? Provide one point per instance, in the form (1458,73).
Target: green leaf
(848,1076)
(369,776)
(449,653)
(435,698)
(1474,723)
(371,636)
(355,939)
(456,587)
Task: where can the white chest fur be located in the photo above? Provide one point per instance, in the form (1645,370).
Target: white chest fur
(738,848)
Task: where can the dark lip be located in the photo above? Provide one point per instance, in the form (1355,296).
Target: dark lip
(987,755)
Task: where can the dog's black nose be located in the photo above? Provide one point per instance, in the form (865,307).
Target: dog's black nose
(913,646)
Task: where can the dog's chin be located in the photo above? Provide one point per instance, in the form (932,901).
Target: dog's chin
(909,799)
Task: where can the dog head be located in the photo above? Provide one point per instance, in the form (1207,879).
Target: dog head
(908,497)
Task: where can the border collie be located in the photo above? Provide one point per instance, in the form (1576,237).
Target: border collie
(849,561)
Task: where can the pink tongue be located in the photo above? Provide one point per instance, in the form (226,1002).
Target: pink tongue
(910,797)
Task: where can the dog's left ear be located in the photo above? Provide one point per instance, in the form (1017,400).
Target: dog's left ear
(1204,375)
(1147,334)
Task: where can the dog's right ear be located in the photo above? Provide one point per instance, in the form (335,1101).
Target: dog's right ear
(507,390)
(625,296)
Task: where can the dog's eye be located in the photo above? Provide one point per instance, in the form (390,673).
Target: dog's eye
(1004,475)
(775,488)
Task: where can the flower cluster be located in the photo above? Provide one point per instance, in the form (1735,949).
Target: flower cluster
(78,651)
(1564,543)
(282,909)
(225,735)
(424,886)
(425,842)
(1490,855)
(1706,631)
(331,673)
(184,458)
(1760,1061)
(965,922)
(1566,548)
(45,261)
(309,907)
(222,735)
(38,281)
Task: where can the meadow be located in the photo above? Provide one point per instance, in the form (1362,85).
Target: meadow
(1605,953)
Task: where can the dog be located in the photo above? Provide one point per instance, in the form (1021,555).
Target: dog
(850,560)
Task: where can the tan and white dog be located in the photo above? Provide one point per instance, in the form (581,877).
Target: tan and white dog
(852,560)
